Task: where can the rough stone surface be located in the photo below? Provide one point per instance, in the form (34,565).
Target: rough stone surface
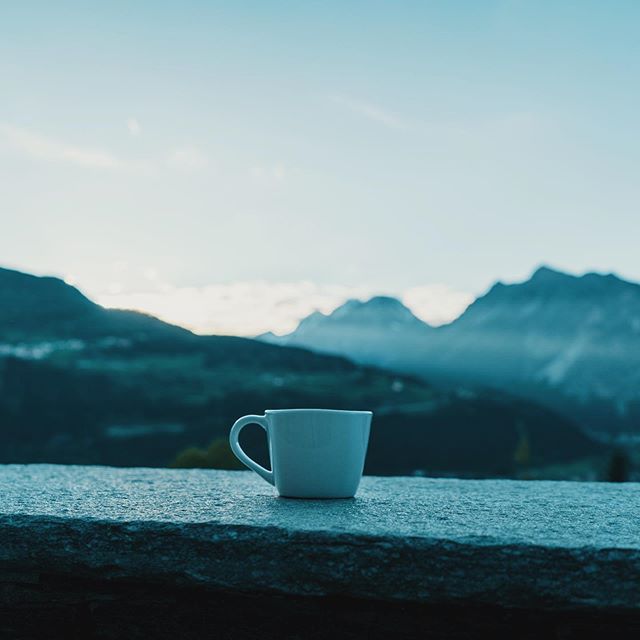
(550,546)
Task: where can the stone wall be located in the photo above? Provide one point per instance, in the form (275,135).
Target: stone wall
(104,552)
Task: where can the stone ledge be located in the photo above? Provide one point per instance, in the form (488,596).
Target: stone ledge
(551,546)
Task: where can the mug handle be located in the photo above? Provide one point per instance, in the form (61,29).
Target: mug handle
(237,449)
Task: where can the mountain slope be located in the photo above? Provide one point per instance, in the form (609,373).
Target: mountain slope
(79,383)
(579,335)
(46,308)
(381,331)
(570,342)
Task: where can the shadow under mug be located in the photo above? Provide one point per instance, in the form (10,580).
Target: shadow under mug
(315,453)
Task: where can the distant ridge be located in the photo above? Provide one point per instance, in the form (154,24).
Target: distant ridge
(44,307)
(73,374)
(377,331)
(555,334)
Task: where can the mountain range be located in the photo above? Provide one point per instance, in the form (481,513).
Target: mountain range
(83,384)
(381,331)
(570,342)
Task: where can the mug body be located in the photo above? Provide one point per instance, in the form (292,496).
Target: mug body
(317,453)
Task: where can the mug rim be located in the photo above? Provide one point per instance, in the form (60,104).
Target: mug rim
(306,410)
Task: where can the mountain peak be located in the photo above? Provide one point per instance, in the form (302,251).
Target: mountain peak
(384,301)
(547,274)
(590,283)
(380,331)
(378,309)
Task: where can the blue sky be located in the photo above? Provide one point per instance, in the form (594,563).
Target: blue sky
(231,166)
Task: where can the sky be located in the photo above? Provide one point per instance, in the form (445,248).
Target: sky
(233,166)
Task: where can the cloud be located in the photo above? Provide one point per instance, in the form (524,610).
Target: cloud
(36,145)
(115,288)
(503,129)
(436,304)
(41,147)
(239,308)
(187,159)
(254,307)
(133,126)
(150,273)
(270,175)
(371,112)
(182,159)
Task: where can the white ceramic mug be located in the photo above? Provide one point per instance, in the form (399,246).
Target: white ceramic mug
(315,453)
